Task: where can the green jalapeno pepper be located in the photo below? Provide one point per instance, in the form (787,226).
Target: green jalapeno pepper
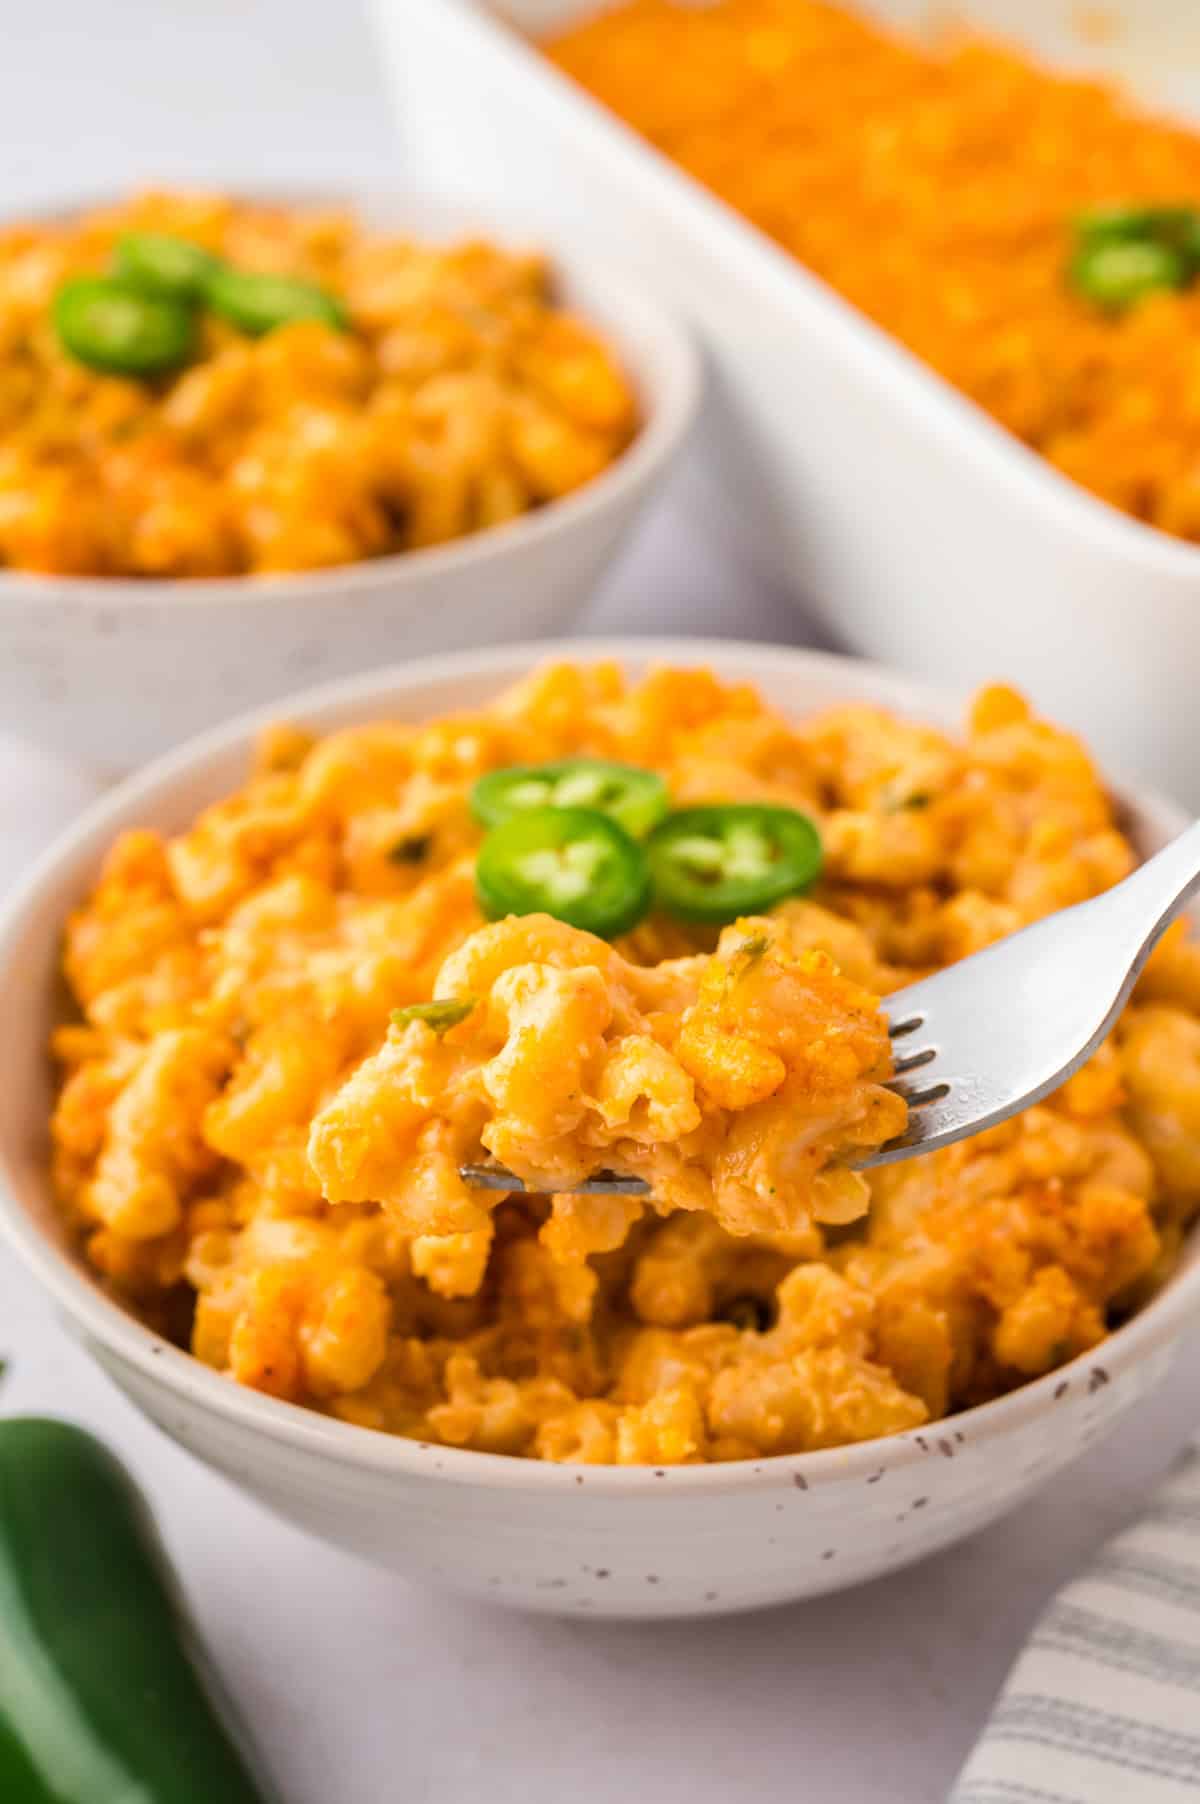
(99,1702)
(573,863)
(257,303)
(1126,252)
(112,327)
(632,797)
(727,859)
(155,263)
(1117,272)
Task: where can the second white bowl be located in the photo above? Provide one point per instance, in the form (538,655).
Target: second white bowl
(584,1540)
(111,672)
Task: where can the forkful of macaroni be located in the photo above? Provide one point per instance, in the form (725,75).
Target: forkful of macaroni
(755,1080)
(987,1037)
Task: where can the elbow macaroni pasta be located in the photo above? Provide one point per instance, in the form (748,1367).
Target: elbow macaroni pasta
(729,1083)
(262,1163)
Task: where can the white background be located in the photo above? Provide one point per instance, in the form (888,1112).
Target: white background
(360,1689)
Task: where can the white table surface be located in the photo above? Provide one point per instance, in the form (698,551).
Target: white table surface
(361,1689)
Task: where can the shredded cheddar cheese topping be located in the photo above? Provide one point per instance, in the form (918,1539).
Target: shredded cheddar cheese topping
(936,185)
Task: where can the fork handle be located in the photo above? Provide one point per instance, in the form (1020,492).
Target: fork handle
(1148,901)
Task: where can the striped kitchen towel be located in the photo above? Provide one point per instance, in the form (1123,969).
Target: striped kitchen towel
(1103,1706)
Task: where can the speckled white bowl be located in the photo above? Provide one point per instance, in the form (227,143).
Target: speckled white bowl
(629,1541)
(110,672)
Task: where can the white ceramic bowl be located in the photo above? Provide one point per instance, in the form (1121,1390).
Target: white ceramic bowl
(112,672)
(923,533)
(570,1539)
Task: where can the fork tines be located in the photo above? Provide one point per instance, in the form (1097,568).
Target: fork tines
(602,1183)
(916,1095)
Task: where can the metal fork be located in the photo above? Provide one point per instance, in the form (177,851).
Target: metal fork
(993,1034)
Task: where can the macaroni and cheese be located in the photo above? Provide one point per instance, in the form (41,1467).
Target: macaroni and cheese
(459,396)
(936,183)
(265,1164)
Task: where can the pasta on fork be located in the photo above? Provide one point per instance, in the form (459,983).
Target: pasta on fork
(732,1082)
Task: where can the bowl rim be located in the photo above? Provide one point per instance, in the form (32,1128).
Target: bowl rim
(717,225)
(121,1335)
(637,327)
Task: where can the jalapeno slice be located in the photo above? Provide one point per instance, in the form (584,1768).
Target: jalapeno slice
(109,326)
(636,799)
(573,863)
(1124,253)
(717,862)
(1115,273)
(257,303)
(155,263)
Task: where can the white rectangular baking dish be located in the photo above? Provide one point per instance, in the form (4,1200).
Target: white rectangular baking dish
(922,533)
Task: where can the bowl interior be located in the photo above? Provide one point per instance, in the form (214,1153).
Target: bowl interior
(168,795)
